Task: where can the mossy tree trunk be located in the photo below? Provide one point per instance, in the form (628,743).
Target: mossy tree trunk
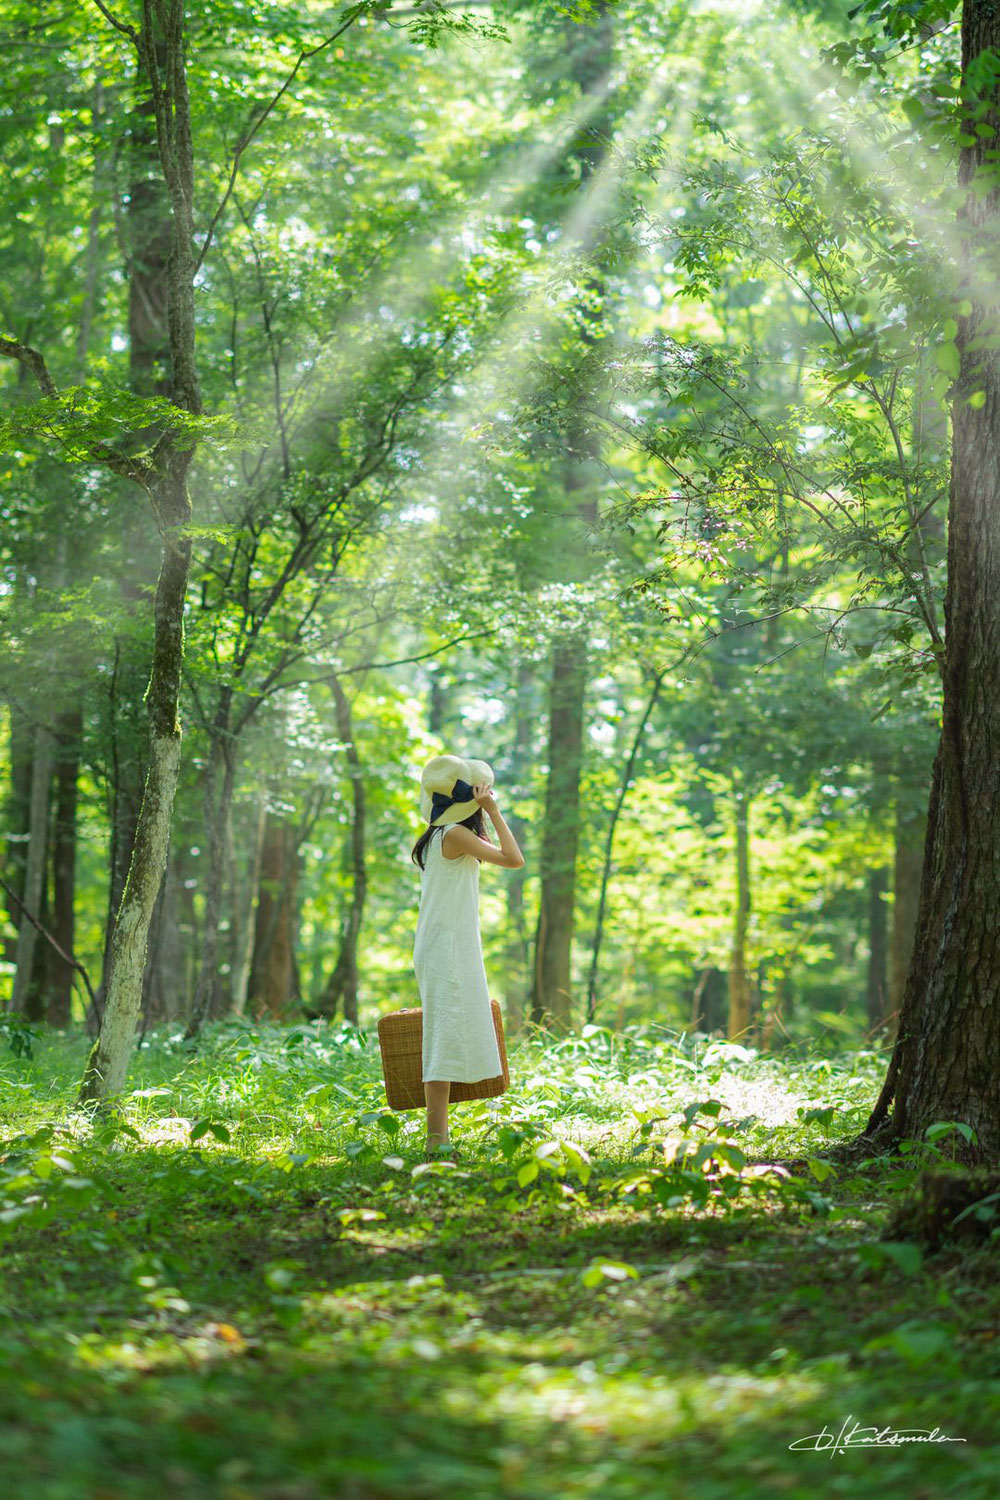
(159,42)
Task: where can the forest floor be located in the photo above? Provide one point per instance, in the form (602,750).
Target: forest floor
(254,1287)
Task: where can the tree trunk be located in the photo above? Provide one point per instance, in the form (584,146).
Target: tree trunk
(944,1063)
(127,775)
(709,1001)
(876,989)
(739,977)
(108,1064)
(60,973)
(626,781)
(551,999)
(35,870)
(590,59)
(343,982)
(244,899)
(272,974)
(147,236)
(437,702)
(18,819)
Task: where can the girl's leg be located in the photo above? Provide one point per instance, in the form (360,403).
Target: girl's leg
(436,1095)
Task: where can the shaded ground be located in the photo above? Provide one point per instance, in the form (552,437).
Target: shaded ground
(220,1320)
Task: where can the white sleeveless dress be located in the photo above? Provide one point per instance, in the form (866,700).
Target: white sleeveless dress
(459,1042)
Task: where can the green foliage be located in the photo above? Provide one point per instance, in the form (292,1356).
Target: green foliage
(549,1332)
(41,1176)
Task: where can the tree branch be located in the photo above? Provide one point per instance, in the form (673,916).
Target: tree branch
(33,361)
(67,958)
(261,114)
(122,26)
(118,463)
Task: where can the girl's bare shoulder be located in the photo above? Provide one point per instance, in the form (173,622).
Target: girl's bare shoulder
(456,841)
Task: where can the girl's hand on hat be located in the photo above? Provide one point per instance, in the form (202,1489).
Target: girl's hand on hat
(484,796)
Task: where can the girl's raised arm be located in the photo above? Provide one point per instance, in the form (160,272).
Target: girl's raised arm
(463,841)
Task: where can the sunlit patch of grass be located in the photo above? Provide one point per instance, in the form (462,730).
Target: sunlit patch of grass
(409,1328)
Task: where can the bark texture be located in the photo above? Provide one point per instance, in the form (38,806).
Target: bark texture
(273,980)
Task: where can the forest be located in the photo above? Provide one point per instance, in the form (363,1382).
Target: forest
(608,391)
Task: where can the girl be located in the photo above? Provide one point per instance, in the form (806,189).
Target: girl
(459,1042)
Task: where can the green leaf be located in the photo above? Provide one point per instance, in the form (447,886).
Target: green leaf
(907,1257)
(821,1169)
(943,1128)
(209,1127)
(600,1271)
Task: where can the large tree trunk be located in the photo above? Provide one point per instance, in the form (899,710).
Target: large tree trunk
(61,973)
(147,242)
(343,981)
(551,999)
(34,875)
(272,986)
(739,976)
(107,1066)
(944,1064)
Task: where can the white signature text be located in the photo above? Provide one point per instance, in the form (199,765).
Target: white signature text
(853,1435)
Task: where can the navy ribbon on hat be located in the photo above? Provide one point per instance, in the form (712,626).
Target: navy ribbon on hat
(460,792)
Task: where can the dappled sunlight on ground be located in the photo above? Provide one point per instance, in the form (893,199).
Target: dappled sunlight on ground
(265,1237)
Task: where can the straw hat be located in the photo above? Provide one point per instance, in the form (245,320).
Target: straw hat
(446,788)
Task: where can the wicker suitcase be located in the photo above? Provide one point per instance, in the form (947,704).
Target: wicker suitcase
(400,1037)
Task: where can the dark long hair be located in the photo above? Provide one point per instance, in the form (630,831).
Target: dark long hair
(477,823)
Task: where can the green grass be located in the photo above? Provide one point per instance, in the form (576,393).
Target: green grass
(296,1306)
